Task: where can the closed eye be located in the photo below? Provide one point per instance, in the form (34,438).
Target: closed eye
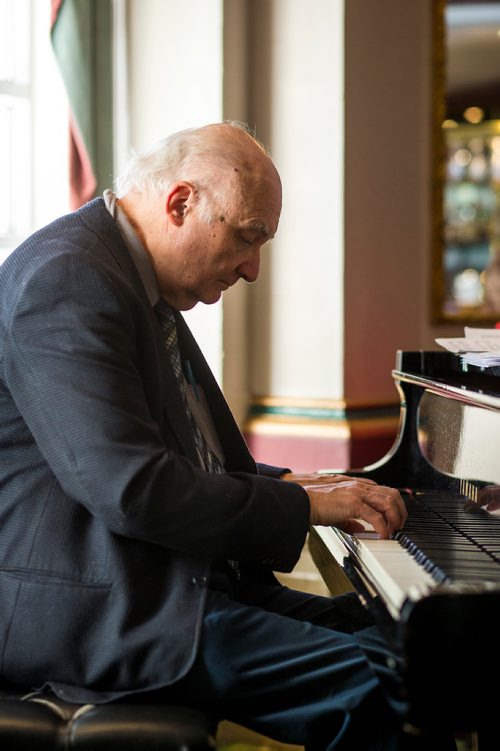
(250,235)
(248,239)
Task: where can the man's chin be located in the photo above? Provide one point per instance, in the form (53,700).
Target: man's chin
(210,299)
(207,298)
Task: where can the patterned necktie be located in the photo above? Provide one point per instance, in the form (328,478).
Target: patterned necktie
(166,319)
(211,462)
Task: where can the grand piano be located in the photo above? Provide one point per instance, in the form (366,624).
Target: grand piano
(434,588)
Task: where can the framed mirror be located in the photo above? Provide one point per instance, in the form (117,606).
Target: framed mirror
(466,257)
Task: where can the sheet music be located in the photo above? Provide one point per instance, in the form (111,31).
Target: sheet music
(477,346)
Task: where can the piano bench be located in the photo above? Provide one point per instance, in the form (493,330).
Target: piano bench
(46,723)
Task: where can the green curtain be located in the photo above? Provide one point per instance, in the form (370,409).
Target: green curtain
(81,36)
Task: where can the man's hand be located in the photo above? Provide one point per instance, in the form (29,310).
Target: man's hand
(317,478)
(489,497)
(338,500)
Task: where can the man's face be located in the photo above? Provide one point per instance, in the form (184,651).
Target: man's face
(218,246)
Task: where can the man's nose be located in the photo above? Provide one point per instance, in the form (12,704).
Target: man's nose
(249,269)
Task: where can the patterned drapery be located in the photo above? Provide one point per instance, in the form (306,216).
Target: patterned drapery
(81,33)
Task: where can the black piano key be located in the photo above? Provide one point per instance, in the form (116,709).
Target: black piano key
(451,540)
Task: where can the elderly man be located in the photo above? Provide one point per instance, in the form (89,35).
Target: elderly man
(138,537)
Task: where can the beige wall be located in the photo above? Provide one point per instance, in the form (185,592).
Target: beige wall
(297,99)
(387,181)
(388,178)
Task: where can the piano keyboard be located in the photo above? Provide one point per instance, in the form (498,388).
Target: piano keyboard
(446,539)
(451,537)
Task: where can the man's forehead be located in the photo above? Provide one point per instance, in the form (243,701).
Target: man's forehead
(253,200)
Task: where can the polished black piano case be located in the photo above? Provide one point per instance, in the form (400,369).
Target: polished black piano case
(435,588)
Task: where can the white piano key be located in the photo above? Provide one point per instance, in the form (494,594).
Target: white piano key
(391,571)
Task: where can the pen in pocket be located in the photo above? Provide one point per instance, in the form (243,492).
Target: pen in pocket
(188,372)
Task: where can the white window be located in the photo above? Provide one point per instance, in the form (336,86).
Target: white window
(33,123)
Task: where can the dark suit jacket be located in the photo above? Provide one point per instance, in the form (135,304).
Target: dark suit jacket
(107,525)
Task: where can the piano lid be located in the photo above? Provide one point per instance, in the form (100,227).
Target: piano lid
(458,417)
(448,370)
(459,439)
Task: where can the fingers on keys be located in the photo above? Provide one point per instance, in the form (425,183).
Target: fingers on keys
(383,507)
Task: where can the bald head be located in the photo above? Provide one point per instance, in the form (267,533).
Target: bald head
(213,157)
(231,164)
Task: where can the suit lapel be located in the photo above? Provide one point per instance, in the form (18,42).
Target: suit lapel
(238,458)
(174,408)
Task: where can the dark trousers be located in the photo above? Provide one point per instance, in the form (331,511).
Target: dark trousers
(298,668)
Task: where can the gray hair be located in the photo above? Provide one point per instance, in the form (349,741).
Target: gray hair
(183,155)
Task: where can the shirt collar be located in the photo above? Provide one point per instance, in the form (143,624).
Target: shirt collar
(134,246)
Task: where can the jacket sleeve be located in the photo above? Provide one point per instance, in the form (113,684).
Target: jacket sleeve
(269,470)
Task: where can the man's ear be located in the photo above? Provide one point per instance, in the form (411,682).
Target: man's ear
(177,202)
